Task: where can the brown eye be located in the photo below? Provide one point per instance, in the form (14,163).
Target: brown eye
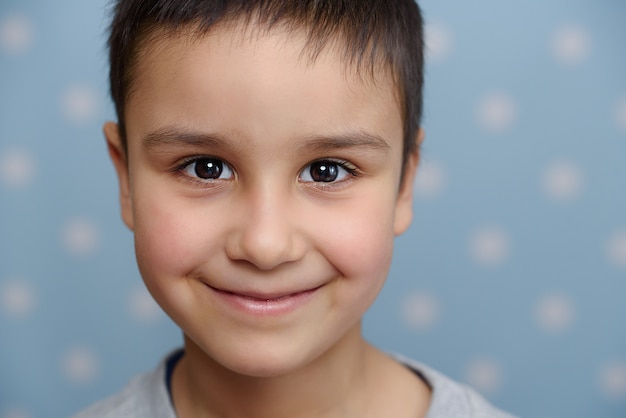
(325,171)
(208,169)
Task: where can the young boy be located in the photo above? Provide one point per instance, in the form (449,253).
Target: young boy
(266,152)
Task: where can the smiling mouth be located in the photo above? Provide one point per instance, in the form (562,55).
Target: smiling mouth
(265,304)
(269,297)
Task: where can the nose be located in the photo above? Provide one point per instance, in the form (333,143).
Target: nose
(266,233)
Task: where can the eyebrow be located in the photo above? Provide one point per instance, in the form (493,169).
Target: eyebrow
(358,139)
(173,136)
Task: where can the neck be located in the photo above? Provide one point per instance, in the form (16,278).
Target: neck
(332,385)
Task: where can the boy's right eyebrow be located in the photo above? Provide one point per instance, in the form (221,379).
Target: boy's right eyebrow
(173,136)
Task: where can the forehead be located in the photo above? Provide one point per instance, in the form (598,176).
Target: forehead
(249,76)
(368,66)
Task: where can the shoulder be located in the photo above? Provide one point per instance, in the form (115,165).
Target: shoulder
(451,399)
(144,397)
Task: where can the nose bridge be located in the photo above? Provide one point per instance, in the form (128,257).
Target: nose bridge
(265,235)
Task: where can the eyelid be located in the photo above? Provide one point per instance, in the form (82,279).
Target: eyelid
(350,168)
(180,167)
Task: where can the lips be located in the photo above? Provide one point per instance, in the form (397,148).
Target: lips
(265,304)
(267,297)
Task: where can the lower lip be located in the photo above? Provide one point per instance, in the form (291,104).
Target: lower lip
(266,307)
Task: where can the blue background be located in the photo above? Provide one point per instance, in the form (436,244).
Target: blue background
(512,277)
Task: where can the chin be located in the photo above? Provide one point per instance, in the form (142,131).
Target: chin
(253,359)
(261,363)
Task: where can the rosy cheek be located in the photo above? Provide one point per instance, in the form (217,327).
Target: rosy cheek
(361,253)
(164,240)
(360,246)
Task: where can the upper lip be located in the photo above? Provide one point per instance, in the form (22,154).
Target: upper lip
(252,294)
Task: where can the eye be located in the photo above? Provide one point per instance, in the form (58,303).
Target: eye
(208,169)
(326,171)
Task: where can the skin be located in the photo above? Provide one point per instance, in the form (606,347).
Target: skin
(265,229)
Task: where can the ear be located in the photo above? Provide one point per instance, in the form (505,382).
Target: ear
(120,162)
(404,202)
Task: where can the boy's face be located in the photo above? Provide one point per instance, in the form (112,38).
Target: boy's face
(263,192)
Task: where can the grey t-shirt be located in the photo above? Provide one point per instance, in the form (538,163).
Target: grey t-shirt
(146,396)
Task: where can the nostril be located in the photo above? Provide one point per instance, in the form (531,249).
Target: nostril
(264,248)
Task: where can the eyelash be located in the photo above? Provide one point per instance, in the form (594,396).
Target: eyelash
(351,169)
(180,169)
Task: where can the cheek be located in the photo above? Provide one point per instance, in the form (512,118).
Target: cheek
(360,244)
(361,253)
(169,246)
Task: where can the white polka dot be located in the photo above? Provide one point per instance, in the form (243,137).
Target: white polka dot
(570,44)
(613,380)
(80,237)
(17,168)
(79,104)
(420,311)
(438,41)
(489,246)
(80,365)
(496,112)
(562,181)
(15,413)
(17,298)
(620,115)
(554,313)
(430,180)
(484,374)
(143,307)
(616,249)
(16,34)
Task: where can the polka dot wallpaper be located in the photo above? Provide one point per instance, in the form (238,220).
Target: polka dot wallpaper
(512,277)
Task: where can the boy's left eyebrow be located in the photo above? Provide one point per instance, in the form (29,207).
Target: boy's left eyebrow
(359,139)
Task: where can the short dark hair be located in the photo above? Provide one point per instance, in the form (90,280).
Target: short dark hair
(373,32)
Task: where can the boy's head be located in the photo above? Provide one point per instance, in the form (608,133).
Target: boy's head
(371,34)
(260,152)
